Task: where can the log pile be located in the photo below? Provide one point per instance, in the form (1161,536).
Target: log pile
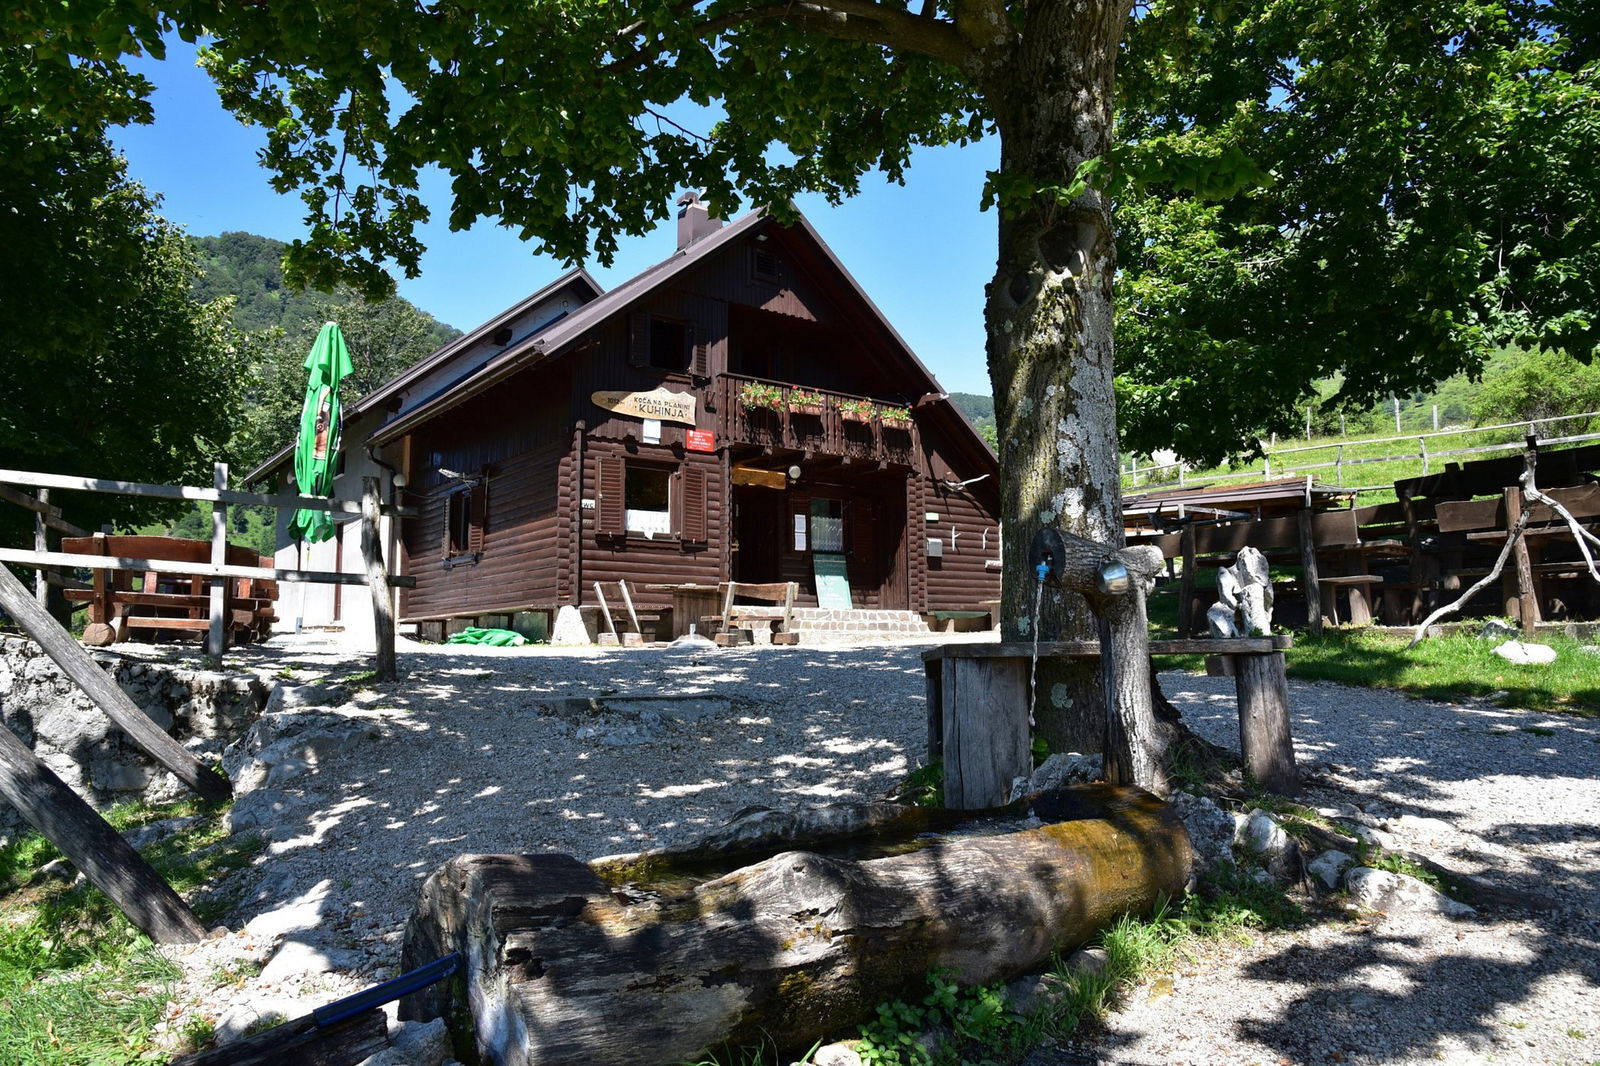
(660,957)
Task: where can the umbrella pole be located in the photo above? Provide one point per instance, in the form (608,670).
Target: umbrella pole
(300,609)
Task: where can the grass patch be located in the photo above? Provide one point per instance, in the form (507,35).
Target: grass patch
(922,787)
(1451,667)
(79,984)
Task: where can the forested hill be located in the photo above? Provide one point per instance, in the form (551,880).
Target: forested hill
(979,410)
(248,267)
(281,323)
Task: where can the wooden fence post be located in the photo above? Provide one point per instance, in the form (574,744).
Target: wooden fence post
(41,543)
(217,635)
(377,581)
(76,664)
(93,846)
(1186,580)
(1264,740)
(1308,563)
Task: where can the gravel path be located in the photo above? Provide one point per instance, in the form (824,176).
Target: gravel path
(480,751)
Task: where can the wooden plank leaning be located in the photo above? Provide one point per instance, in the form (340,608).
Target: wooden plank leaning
(377,581)
(100,688)
(93,846)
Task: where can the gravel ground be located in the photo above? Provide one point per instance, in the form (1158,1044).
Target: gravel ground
(477,751)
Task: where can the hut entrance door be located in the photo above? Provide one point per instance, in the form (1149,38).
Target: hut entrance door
(758,534)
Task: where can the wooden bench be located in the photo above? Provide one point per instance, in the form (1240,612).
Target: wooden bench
(658,619)
(736,622)
(167,604)
(978,710)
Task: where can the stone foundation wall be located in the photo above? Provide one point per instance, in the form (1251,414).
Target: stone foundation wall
(203,709)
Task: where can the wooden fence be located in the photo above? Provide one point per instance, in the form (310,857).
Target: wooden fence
(374,516)
(1273,462)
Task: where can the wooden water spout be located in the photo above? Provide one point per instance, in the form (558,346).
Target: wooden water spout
(657,958)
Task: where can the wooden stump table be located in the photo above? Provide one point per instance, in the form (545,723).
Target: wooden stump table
(978,710)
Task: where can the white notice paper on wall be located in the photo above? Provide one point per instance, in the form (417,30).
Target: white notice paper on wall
(652,431)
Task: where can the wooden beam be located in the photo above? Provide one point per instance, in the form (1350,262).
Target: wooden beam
(217,631)
(1527,601)
(107,860)
(173,566)
(1090,649)
(76,664)
(189,492)
(52,515)
(302,1042)
(1264,741)
(377,581)
(1308,564)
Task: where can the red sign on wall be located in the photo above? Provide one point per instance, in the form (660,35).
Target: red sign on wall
(702,440)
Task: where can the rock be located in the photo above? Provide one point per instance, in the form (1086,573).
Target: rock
(1066,768)
(1517,651)
(249,1013)
(1087,961)
(60,869)
(280,747)
(1380,890)
(1496,629)
(571,627)
(1264,838)
(414,1044)
(1376,838)
(146,835)
(1329,867)
(1433,830)
(298,957)
(267,812)
(1211,831)
(292,697)
(302,913)
(841,1054)
(1030,992)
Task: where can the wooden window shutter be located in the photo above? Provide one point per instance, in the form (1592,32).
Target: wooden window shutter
(699,355)
(694,505)
(478,516)
(638,339)
(611,472)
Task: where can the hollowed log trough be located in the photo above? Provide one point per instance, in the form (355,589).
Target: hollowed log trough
(782,929)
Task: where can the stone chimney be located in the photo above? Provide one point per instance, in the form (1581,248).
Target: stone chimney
(694,221)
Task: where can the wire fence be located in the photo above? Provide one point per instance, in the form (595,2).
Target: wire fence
(1348,458)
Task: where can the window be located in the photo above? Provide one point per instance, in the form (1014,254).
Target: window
(465,516)
(827,525)
(639,498)
(765,265)
(669,344)
(648,498)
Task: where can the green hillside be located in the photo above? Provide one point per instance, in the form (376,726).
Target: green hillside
(979,410)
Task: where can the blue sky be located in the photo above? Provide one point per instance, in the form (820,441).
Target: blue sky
(922,251)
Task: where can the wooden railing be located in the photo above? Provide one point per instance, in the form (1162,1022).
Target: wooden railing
(825,430)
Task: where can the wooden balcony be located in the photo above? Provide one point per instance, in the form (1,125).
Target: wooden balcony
(821,429)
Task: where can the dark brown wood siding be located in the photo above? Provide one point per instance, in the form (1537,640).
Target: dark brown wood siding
(961,578)
(661,560)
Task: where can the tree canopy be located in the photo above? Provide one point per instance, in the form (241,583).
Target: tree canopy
(1430,198)
(112,368)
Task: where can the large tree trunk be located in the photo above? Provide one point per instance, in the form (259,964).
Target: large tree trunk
(641,962)
(1049,317)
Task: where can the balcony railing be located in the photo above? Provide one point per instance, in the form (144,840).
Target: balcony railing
(840,424)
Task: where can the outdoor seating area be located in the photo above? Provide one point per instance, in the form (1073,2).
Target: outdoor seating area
(1391,563)
(168,606)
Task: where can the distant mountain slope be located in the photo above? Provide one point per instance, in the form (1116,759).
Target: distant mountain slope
(979,410)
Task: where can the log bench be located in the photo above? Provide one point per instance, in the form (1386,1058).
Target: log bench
(978,710)
(736,624)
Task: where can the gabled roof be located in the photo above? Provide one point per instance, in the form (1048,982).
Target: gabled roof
(620,300)
(578,279)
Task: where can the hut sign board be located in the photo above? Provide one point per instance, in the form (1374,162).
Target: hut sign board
(656,404)
(702,440)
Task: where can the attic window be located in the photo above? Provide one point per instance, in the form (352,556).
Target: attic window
(765,265)
(669,344)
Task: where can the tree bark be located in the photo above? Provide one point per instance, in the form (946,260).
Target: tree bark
(1049,318)
(571,963)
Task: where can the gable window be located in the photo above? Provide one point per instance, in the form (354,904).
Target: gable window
(765,265)
(669,344)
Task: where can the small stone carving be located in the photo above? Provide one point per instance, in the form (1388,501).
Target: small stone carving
(1244,598)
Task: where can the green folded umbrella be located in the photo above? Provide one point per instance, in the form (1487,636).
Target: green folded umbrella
(317,452)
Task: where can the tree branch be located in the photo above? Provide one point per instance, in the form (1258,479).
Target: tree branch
(1529,458)
(845,20)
